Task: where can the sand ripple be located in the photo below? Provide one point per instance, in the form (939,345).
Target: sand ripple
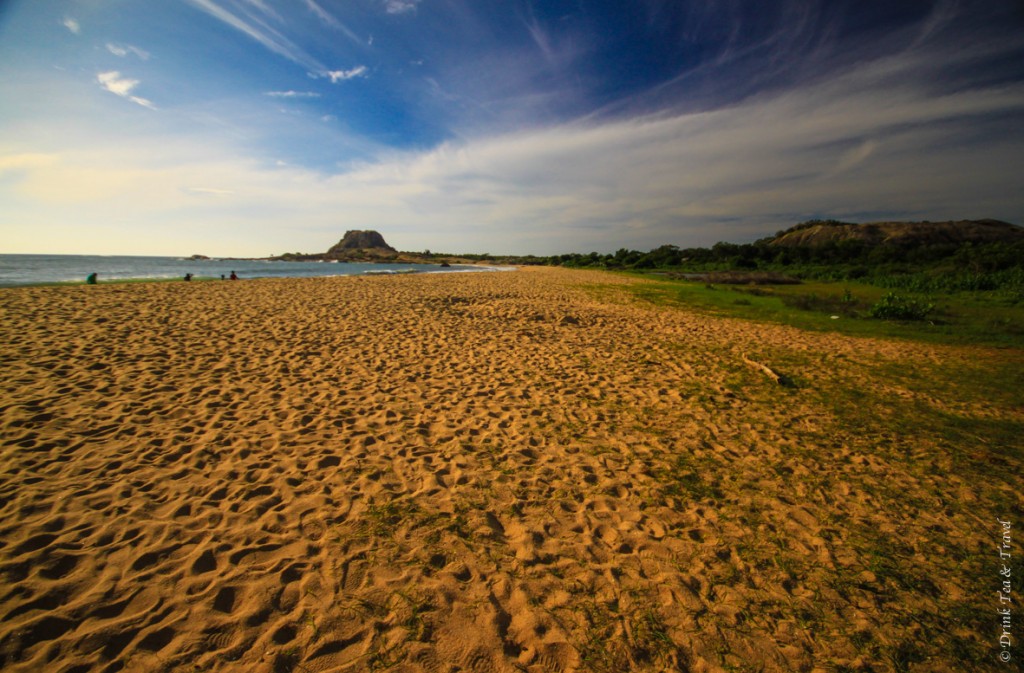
(475,472)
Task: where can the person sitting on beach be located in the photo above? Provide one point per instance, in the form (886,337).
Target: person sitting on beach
(188,277)
(91,279)
(233,276)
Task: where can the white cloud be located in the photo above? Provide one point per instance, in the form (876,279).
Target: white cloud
(400,6)
(262,33)
(322,14)
(210,191)
(72,25)
(27,161)
(123,50)
(263,8)
(329,20)
(292,94)
(865,144)
(122,86)
(855,156)
(341,75)
(114,83)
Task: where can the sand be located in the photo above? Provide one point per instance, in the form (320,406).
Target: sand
(460,472)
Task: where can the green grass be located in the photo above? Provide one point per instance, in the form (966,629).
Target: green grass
(925,418)
(975,441)
(978,318)
(609,647)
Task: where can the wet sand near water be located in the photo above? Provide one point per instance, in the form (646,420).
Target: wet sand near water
(461,472)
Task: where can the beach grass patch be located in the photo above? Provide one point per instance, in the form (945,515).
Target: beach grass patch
(898,307)
(902,430)
(847,307)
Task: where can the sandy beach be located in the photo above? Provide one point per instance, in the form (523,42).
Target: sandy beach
(515,471)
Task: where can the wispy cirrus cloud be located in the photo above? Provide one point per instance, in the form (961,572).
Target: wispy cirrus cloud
(330,20)
(341,75)
(400,6)
(292,94)
(113,82)
(541,135)
(257,28)
(866,144)
(263,8)
(259,31)
(558,50)
(123,50)
(72,25)
(210,191)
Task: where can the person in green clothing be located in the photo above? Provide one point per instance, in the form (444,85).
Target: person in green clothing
(91,278)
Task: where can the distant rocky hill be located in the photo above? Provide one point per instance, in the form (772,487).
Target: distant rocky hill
(817,233)
(367,241)
(370,246)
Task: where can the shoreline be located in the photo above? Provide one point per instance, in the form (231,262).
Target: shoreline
(255,273)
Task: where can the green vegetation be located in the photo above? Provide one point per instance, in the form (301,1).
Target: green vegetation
(853,308)
(966,267)
(611,645)
(921,286)
(954,291)
(910,264)
(897,307)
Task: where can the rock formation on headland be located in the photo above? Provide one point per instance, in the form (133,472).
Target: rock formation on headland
(359,240)
(369,246)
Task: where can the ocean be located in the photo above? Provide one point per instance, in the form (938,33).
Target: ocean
(40,269)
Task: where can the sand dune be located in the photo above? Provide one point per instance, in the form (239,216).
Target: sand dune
(461,472)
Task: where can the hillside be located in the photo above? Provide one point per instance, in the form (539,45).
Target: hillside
(816,233)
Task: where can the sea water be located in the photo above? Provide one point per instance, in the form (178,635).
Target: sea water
(39,269)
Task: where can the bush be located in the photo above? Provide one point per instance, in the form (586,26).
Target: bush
(857,272)
(832,304)
(895,307)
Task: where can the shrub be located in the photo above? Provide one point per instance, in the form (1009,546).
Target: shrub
(895,307)
(857,272)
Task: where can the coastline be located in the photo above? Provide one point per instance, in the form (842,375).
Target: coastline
(496,471)
(33,270)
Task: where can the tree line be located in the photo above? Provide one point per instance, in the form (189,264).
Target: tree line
(909,265)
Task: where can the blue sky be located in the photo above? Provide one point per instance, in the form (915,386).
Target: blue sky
(256,127)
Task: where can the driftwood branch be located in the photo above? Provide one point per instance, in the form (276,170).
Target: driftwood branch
(767,371)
